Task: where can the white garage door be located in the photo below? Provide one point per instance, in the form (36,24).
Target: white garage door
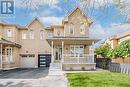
(28,61)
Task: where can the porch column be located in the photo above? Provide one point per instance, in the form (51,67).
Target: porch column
(92,52)
(62,51)
(1,56)
(52,56)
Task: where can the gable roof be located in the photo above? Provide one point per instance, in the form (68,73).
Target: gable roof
(4,41)
(121,35)
(77,8)
(34,19)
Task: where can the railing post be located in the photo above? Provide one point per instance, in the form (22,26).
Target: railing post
(78,59)
(52,57)
(1,59)
(92,53)
(62,51)
(62,60)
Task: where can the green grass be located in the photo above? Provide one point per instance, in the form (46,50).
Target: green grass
(98,79)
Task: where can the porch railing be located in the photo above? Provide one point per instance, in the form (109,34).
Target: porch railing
(6,59)
(81,59)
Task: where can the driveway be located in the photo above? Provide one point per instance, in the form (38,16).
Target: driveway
(24,73)
(31,78)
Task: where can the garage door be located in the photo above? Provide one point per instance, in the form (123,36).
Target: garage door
(44,60)
(28,61)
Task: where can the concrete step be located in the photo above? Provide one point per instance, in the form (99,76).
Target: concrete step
(56,72)
(55,69)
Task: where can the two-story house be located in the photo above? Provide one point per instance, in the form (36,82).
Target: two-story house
(115,40)
(68,45)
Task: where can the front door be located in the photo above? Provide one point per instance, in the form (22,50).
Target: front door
(58,52)
(8,54)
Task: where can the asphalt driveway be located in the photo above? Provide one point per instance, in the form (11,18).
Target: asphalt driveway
(31,78)
(24,73)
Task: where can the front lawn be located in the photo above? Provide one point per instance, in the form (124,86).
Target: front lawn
(98,79)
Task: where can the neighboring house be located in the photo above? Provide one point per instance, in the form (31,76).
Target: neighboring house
(67,45)
(115,40)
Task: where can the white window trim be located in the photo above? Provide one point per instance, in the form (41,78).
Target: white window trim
(71,25)
(24,35)
(74,50)
(83,31)
(59,33)
(31,35)
(42,35)
(48,34)
(9,34)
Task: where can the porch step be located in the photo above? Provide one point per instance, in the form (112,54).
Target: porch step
(55,66)
(55,69)
(56,73)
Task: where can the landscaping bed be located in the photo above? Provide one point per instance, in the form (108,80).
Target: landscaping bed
(98,79)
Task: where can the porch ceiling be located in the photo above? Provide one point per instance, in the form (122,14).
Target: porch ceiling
(6,42)
(72,40)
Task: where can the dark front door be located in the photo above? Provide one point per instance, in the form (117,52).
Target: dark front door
(44,60)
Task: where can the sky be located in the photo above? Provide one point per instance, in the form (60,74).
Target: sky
(51,12)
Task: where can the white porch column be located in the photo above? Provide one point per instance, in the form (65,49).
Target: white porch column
(92,52)
(1,57)
(62,51)
(52,53)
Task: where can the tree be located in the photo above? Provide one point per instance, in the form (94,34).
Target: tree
(123,6)
(124,49)
(103,51)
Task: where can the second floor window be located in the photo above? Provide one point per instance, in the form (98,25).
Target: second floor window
(31,35)
(41,35)
(49,34)
(71,30)
(24,35)
(9,33)
(82,29)
(58,33)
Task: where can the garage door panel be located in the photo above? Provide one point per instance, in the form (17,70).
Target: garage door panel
(28,62)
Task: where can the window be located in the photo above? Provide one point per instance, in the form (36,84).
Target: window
(82,29)
(49,34)
(71,29)
(58,33)
(9,33)
(41,35)
(76,51)
(31,35)
(24,35)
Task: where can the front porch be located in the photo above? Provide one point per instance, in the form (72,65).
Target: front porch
(8,51)
(73,53)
